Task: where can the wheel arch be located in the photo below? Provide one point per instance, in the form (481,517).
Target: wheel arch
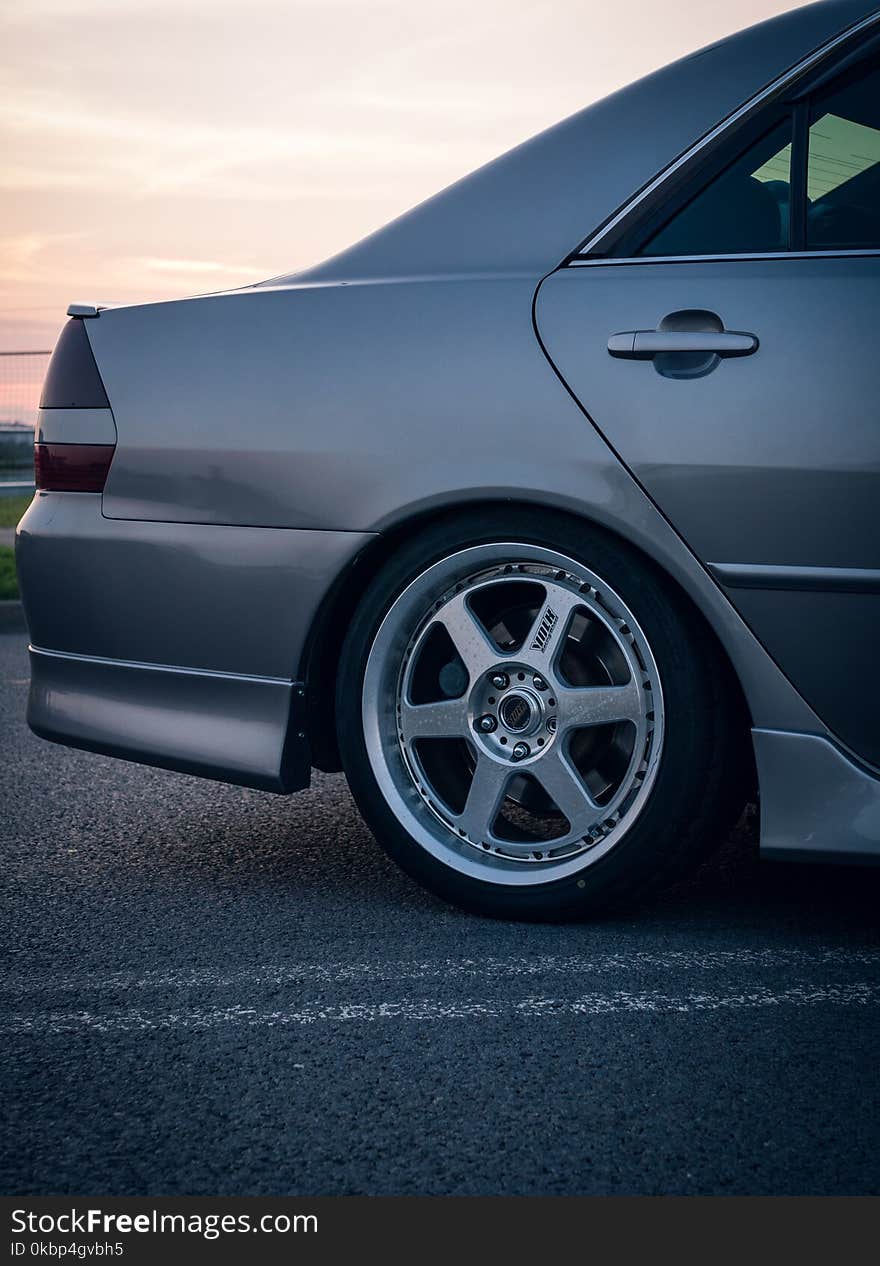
(321,656)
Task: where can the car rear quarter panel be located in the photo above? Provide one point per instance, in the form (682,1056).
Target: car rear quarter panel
(355,409)
(333,406)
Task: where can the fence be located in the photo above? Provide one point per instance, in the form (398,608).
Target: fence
(21,379)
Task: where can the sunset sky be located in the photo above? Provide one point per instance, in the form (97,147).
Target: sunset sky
(153,148)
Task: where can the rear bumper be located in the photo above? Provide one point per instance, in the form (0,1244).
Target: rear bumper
(174,644)
(192,595)
(247,730)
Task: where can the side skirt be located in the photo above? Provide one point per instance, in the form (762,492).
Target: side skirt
(816,803)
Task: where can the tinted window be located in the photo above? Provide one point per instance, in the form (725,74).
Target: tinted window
(744,209)
(843,167)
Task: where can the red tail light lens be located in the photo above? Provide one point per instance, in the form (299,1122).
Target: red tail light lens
(72,467)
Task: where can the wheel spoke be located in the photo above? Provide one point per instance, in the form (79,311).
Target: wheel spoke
(544,638)
(566,788)
(477,651)
(447,718)
(599,705)
(483,799)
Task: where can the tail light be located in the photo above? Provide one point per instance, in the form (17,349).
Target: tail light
(72,452)
(72,467)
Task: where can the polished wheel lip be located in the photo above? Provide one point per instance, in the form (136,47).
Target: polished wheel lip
(401,780)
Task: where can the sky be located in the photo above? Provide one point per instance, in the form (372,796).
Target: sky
(160,148)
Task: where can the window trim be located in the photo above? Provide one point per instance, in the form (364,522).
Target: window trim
(800,153)
(686,175)
(607,261)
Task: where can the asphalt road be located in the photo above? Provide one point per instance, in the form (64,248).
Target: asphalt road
(208,990)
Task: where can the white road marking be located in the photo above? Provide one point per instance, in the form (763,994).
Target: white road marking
(446,969)
(648,1002)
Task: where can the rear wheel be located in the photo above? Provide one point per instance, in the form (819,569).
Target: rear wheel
(530,722)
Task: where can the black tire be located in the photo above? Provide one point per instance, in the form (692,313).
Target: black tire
(694,795)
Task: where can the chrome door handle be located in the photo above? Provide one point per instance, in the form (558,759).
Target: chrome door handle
(646,344)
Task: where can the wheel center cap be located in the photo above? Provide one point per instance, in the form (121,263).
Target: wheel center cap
(520,712)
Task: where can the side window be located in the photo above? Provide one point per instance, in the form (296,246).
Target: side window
(843,167)
(745,209)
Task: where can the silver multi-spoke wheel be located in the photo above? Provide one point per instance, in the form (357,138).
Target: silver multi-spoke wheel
(513,713)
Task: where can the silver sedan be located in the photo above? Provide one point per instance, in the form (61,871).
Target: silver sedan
(548,512)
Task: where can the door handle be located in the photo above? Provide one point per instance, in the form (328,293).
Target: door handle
(646,344)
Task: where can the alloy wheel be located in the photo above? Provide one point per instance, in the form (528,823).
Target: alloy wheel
(513,713)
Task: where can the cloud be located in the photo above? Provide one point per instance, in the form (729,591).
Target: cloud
(21,253)
(34,10)
(52,144)
(195,267)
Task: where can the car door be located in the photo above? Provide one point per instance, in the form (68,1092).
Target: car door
(731,356)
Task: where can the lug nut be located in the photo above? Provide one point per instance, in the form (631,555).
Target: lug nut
(551,725)
(487,724)
(521,751)
(539,683)
(500,681)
